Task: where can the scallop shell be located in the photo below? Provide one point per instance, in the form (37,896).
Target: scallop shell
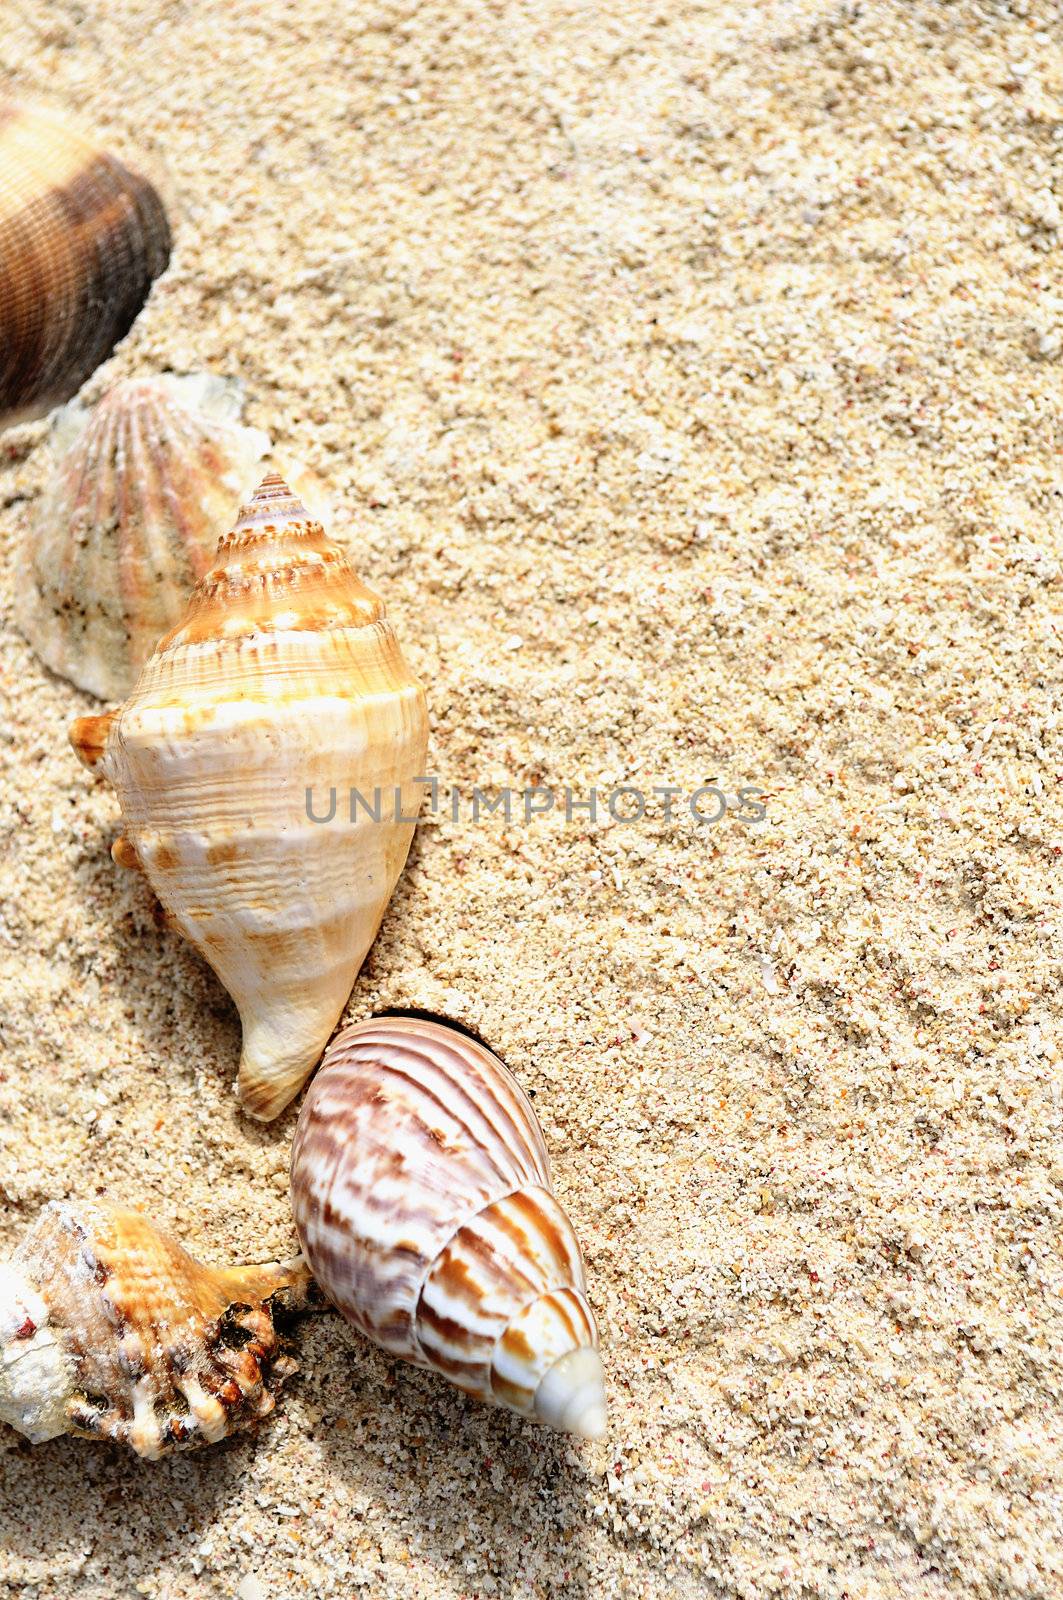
(284,683)
(110,1330)
(82,238)
(130,522)
(422,1197)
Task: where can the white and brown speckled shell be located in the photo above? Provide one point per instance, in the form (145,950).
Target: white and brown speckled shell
(129,522)
(110,1330)
(284,680)
(82,238)
(422,1197)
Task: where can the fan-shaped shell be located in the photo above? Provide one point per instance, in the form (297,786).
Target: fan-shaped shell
(130,523)
(109,1329)
(82,238)
(283,684)
(422,1197)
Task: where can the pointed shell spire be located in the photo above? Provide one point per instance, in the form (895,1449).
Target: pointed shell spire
(283,686)
(275,570)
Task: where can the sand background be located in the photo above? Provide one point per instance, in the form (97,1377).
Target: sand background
(687,378)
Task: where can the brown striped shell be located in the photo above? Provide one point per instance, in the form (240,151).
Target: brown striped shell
(82,239)
(422,1197)
(282,685)
(109,1329)
(130,522)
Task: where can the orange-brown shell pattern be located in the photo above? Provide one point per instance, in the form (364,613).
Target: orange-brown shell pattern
(422,1196)
(283,685)
(129,522)
(111,1330)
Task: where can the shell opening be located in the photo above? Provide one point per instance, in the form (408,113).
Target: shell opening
(571,1396)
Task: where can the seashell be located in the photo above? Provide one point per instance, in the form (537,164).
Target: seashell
(284,682)
(82,239)
(130,522)
(110,1330)
(421,1194)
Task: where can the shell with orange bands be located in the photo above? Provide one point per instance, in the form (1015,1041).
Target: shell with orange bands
(283,681)
(422,1197)
(111,1330)
(82,239)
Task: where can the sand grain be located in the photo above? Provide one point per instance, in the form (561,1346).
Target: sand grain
(687,378)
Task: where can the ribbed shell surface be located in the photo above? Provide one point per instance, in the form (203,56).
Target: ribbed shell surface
(130,523)
(160,1350)
(284,684)
(421,1194)
(82,238)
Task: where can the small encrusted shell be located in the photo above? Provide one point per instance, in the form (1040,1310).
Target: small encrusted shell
(422,1197)
(129,523)
(82,238)
(109,1329)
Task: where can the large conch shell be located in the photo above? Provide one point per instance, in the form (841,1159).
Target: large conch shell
(110,1330)
(130,522)
(82,239)
(421,1193)
(283,685)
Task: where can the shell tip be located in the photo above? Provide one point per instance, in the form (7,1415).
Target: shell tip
(571,1396)
(272,483)
(273,503)
(268,1079)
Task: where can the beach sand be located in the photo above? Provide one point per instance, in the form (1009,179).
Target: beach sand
(687,379)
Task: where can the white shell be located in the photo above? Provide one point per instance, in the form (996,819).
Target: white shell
(421,1193)
(283,685)
(36,1374)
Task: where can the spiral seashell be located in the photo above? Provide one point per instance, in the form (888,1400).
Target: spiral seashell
(284,682)
(110,1330)
(421,1194)
(130,522)
(82,239)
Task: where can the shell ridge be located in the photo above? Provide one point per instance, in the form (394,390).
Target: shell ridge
(430,1265)
(438,1098)
(82,236)
(126,525)
(516,1106)
(524,1152)
(416,1241)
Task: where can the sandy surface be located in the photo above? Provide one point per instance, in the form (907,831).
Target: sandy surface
(687,378)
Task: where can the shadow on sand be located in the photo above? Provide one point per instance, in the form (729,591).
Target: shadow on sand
(470,1499)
